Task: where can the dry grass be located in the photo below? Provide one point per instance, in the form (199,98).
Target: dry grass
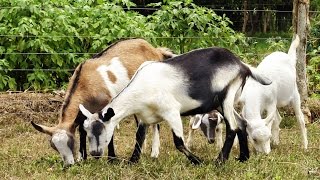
(25,153)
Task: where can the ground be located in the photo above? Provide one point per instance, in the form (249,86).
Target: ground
(26,154)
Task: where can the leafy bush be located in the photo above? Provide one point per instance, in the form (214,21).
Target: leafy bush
(313,67)
(51,37)
(193,27)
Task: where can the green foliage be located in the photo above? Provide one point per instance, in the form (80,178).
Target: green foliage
(277,44)
(313,67)
(313,70)
(59,33)
(193,26)
(51,37)
(54,27)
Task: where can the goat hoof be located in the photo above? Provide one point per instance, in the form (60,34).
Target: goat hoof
(195,160)
(134,160)
(112,159)
(242,159)
(220,160)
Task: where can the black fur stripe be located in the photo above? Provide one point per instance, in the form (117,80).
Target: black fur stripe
(72,90)
(112,45)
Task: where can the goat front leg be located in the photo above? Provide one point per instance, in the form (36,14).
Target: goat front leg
(83,145)
(111,151)
(224,153)
(243,143)
(190,138)
(140,137)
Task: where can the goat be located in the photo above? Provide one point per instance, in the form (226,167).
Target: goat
(211,126)
(93,84)
(193,83)
(279,67)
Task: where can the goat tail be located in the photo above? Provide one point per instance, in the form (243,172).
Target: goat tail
(166,52)
(293,47)
(258,76)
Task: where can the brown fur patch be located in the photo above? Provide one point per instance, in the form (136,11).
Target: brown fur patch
(87,87)
(112,77)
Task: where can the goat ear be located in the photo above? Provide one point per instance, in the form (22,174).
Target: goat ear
(220,117)
(43,129)
(108,115)
(269,119)
(196,123)
(240,120)
(84,111)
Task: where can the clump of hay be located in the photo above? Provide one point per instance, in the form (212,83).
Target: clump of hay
(314,106)
(26,106)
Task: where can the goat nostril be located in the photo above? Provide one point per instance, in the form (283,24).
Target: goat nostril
(210,141)
(95,154)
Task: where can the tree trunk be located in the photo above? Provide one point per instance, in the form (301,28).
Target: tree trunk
(245,16)
(300,27)
(266,20)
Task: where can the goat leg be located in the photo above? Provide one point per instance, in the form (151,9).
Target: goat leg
(140,137)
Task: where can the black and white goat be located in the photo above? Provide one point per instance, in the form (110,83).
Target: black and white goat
(280,68)
(211,126)
(94,83)
(193,83)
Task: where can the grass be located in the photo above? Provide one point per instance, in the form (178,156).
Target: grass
(26,154)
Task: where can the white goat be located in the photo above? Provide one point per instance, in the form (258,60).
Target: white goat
(280,68)
(193,83)
(211,126)
(94,83)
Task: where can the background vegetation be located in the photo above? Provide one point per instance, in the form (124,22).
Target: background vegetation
(41,42)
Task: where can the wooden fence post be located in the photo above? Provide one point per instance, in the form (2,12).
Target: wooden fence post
(301,27)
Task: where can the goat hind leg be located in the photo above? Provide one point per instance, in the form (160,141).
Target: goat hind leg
(275,129)
(296,103)
(155,141)
(174,120)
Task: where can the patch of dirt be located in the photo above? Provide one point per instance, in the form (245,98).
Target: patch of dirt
(27,106)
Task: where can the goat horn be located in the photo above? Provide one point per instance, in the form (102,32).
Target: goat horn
(43,129)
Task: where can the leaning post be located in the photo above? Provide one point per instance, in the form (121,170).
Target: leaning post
(301,24)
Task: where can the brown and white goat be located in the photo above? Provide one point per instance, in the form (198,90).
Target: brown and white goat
(94,83)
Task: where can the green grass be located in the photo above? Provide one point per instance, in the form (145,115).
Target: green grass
(26,154)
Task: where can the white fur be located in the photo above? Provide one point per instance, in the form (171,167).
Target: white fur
(60,140)
(160,91)
(280,68)
(120,72)
(155,142)
(143,97)
(220,78)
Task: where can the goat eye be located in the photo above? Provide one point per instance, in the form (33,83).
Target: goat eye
(255,140)
(53,146)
